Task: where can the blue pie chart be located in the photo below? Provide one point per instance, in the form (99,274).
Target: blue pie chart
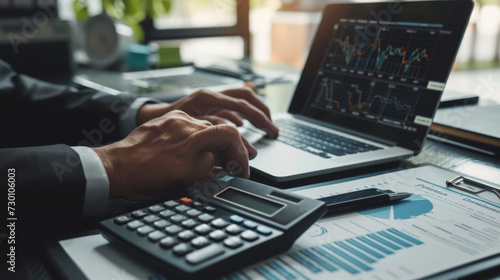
(409,208)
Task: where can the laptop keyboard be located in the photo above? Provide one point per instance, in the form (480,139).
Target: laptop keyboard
(319,142)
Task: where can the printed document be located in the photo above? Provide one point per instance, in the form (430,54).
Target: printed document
(436,229)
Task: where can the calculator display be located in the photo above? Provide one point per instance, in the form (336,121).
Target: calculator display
(250,201)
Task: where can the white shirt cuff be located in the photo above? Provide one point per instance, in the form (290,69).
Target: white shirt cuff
(97,188)
(129,122)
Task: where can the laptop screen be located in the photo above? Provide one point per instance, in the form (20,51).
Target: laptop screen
(380,68)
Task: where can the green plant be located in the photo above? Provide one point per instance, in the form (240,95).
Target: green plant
(132,12)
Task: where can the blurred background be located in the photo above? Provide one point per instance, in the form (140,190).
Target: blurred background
(281,30)
(266,31)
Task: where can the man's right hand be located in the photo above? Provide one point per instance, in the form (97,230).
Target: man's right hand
(172,150)
(232,105)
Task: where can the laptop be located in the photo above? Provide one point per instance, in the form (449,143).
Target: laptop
(368,91)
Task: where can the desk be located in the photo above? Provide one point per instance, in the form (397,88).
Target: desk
(450,157)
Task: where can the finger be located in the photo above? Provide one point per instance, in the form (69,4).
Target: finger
(215,120)
(258,118)
(203,122)
(252,151)
(250,96)
(178,114)
(226,141)
(231,116)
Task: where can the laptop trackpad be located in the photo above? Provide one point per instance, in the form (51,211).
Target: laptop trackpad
(252,135)
(281,160)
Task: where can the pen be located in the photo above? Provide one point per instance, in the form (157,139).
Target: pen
(357,200)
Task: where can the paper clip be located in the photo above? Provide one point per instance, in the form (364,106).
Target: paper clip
(466,184)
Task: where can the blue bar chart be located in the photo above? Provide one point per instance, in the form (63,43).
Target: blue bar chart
(353,256)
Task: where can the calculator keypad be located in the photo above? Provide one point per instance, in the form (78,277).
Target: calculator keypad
(192,230)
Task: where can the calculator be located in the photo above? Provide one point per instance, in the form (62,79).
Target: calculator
(226,224)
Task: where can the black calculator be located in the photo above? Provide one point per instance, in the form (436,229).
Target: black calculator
(224,225)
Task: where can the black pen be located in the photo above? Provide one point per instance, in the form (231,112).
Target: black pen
(363,199)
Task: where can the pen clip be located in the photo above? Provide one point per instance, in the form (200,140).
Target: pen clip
(472,186)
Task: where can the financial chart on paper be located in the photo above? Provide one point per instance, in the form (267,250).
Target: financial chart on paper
(438,228)
(379,72)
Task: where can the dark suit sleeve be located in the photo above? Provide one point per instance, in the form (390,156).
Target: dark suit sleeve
(34,112)
(49,185)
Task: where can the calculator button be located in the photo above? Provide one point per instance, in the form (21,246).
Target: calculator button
(178,218)
(150,218)
(156,235)
(250,224)
(197,205)
(189,223)
(249,235)
(139,213)
(182,249)
(186,235)
(200,242)
(160,224)
(173,229)
(156,208)
(205,218)
(264,230)
(217,235)
(135,224)
(168,242)
(219,223)
(236,219)
(209,209)
(204,254)
(203,229)
(182,208)
(233,242)
(170,203)
(234,229)
(122,220)
(193,213)
(185,200)
(145,230)
(167,213)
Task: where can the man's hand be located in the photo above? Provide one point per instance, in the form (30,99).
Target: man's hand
(217,107)
(172,150)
